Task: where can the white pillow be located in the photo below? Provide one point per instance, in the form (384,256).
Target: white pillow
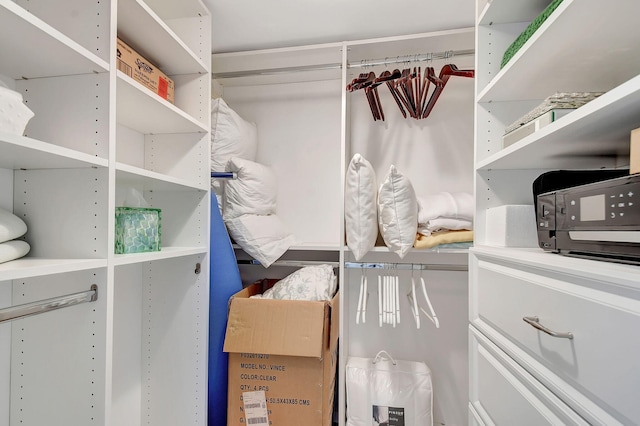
(255,190)
(13,250)
(397,212)
(361,210)
(262,237)
(11,226)
(312,283)
(231,136)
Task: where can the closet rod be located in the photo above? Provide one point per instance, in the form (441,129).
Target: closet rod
(42,306)
(293,263)
(363,265)
(408,266)
(224,175)
(390,60)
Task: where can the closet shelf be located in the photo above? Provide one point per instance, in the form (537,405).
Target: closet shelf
(29,267)
(20,152)
(139,26)
(142,110)
(153,181)
(20,31)
(596,64)
(510,11)
(598,131)
(165,253)
(614,274)
(170,10)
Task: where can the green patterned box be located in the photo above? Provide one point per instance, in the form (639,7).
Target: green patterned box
(138,230)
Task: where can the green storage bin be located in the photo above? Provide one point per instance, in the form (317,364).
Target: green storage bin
(528,32)
(138,230)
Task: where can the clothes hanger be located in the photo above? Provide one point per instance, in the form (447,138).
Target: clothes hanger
(364,81)
(447,71)
(372,91)
(416,308)
(418,89)
(406,92)
(360,296)
(413,301)
(380,300)
(388,77)
(438,87)
(362,299)
(396,298)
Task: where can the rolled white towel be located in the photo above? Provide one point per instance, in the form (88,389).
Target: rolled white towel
(12,250)
(456,205)
(11,226)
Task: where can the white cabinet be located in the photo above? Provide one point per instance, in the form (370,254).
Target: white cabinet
(592,373)
(97,134)
(309,127)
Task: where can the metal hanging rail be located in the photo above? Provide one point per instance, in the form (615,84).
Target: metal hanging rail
(42,306)
(402,59)
(291,263)
(407,266)
(224,175)
(363,265)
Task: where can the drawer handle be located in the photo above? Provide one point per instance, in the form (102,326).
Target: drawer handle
(535,322)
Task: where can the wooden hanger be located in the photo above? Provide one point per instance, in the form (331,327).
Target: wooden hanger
(438,87)
(366,81)
(389,77)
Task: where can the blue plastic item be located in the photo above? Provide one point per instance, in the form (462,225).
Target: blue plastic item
(224,282)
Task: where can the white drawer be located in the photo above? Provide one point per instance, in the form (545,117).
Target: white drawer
(601,361)
(503,393)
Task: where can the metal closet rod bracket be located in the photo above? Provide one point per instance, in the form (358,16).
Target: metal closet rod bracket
(46,305)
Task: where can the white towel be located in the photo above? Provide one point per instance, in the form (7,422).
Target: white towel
(12,250)
(444,223)
(457,205)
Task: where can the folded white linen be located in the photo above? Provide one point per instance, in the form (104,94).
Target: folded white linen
(456,205)
(444,223)
(11,226)
(15,249)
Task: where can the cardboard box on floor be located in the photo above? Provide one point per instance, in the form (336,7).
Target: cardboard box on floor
(286,348)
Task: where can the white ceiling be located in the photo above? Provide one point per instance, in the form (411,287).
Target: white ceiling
(261,24)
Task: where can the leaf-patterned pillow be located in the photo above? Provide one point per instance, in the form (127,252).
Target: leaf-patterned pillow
(309,283)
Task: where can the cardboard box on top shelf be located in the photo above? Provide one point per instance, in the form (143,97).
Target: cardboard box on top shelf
(634,152)
(286,349)
(144,72)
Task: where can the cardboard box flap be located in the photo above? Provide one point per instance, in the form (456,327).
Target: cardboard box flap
(276,327)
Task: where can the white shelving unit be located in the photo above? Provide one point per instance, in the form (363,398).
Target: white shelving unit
(583,46)
(97,134)
(309,127)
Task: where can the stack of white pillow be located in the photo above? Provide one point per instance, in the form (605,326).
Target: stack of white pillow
(248,203)
(391,209)
(12,227)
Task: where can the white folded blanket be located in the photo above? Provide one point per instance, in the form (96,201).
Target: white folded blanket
(12,250)
(456,205)
(444,223)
